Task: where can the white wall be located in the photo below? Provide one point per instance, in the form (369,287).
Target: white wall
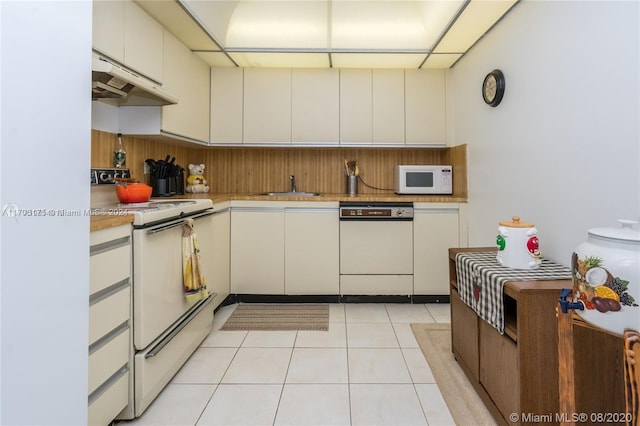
(562,149)
(45,158)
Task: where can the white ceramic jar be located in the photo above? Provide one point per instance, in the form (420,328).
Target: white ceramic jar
(518,244)
(606,277)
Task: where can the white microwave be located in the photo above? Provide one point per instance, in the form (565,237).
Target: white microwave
(423,179)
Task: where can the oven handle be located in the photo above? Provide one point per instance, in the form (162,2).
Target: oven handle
(178,223)
(156,350)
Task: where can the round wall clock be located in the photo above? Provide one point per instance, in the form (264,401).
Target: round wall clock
(493,88)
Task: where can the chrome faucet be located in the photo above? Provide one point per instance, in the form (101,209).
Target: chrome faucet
(292,178)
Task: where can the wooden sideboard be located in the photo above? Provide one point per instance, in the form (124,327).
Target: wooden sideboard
(515,373)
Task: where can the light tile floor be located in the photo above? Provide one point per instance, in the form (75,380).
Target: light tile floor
(366,370)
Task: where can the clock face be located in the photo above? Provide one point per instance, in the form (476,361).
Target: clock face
(493,88)
(490,87)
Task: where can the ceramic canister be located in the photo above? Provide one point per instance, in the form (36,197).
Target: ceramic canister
(606,277)
(518,245)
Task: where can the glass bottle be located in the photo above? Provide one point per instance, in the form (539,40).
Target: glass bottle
(119,155)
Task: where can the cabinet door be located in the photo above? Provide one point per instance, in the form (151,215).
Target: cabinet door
(388,106)
(226,105)
(435,230)
(219,282)
(499,371)
(464,334)
(187,77)
(355,106)
(315,105)
(267,105)
(311,251)
(257,251)
(143,40)
(108,28)
(425,106)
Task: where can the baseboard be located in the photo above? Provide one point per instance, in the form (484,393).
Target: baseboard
(428,298)
(332,298)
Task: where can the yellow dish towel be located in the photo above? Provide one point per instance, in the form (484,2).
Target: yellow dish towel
(193,282)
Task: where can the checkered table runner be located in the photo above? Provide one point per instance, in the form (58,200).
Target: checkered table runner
(482,271)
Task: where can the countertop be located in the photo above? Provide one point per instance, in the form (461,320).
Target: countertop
(387,197)
(106,220)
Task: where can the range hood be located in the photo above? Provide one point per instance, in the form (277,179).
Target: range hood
(117,85)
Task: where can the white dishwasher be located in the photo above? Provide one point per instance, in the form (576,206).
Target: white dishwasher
(376,249)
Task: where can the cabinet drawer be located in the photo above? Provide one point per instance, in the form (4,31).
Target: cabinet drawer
(108,313)
(108,359)
(499,372)
(109,267)
(464,332)
(107,406)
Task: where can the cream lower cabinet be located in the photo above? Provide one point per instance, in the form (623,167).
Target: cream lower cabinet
(436,228)
(219,282)
(257,249)
(109,323)
(312,245)
(284,248)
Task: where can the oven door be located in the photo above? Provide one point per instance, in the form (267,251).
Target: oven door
(158,296)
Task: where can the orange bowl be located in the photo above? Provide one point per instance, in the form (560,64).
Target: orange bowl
(133,192)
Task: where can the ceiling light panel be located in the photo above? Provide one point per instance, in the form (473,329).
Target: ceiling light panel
(278,25)
(386,25)
(476,19)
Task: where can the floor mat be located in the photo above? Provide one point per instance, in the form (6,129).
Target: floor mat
(279,316)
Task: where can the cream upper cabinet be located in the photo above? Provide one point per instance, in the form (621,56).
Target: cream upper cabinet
(267,105)
(355,106)
(226,105)
(126,33)
(315,106)
(388,106)
(108,28)
(187,78)
(143,39)
(425,104)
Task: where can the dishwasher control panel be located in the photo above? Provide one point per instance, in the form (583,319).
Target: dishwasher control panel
(375,211)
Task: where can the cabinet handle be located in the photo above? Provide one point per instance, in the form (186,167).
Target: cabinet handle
(108,292)
(108,383)
(109,245)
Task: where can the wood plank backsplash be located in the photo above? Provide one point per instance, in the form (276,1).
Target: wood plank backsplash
(258,169)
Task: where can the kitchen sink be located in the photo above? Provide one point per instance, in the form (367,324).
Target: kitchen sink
(290,194)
